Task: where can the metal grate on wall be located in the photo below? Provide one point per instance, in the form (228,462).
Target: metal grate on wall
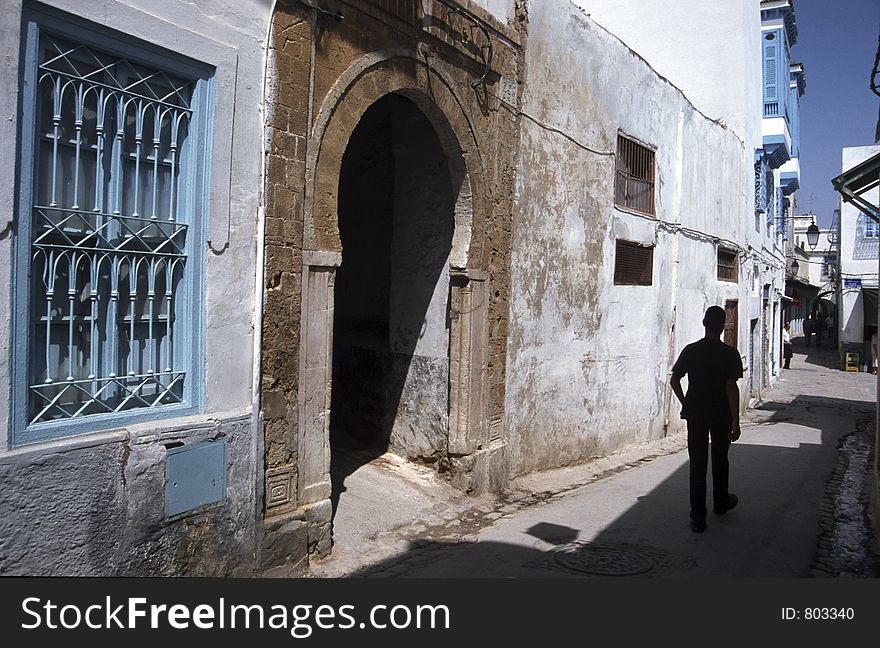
(109,233)
(633,263)
(634,176)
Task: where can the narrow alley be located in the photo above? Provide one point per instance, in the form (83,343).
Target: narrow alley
(799,469)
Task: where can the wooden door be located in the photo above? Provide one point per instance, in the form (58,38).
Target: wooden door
(731,322)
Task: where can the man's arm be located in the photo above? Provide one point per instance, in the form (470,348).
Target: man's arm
(676,388)
(733,403)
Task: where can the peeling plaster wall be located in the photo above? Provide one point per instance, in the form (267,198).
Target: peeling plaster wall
(716,63)
(727,88)
(588,361)
(96,508)
(94,504)
(419,316)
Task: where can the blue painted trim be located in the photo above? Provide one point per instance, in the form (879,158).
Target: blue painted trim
(196,195)
(771,80)
(20,295)
(104,38)
(97,423)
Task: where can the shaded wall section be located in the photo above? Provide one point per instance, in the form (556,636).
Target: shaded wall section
(113,523)
(391,333)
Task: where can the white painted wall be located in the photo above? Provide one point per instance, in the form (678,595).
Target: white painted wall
(711,50)
(851,313)
(588,361)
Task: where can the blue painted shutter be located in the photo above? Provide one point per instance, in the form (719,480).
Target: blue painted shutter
(771,71)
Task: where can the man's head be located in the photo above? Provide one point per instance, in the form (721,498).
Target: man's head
(713,320)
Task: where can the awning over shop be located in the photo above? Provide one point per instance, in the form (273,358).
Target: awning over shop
(856,181)
(869,301)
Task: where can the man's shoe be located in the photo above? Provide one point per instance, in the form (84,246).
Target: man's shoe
(732,501)
(698,526)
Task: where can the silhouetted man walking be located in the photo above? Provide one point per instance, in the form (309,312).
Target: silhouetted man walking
(711,409)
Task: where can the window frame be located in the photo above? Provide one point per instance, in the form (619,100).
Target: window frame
(197,172)
(734,265)
(622,174)
(634,245)
(870,227)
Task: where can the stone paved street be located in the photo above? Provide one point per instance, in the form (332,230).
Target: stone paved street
(799,469)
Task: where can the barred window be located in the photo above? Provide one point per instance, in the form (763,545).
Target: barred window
(633,264)
(634,176)
(728,266)
(114,181)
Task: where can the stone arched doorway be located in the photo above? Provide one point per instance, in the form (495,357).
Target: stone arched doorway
(391,331)
(409,330)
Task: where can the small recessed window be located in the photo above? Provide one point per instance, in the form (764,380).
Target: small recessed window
(634,176)
(633,264)
(727,266)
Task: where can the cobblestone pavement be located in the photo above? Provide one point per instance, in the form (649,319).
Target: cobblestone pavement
(846,546)
(440,522)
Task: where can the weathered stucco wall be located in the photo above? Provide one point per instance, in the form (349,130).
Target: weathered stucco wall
(703,29)
(92,508)
(94,504)
(589,360)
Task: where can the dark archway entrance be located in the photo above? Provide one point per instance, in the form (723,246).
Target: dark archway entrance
(391,333)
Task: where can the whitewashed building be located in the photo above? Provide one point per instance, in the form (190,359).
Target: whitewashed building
(859,237)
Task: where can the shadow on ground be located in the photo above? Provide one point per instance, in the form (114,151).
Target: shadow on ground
(781,475)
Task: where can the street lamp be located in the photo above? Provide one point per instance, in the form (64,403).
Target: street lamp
(813,236)
(795,266)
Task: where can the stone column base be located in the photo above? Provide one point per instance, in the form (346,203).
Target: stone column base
(292,541)
(484,471)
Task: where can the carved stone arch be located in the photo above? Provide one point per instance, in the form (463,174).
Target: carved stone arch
(399,71)
(372,77)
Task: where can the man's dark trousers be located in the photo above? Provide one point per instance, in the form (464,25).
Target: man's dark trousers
(699,431)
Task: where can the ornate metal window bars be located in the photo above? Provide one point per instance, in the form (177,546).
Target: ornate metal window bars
(112,205)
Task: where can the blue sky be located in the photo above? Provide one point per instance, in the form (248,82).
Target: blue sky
(837,42)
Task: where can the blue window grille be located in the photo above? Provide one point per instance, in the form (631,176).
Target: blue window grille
(761,184)
(108,276)
(871,227)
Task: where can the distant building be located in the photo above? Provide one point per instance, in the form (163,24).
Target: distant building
(859,236)
(812,288)
(777,167)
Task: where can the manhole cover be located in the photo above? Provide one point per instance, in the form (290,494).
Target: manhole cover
(603,560)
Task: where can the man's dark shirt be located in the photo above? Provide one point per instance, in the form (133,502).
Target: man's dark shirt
(708,363)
